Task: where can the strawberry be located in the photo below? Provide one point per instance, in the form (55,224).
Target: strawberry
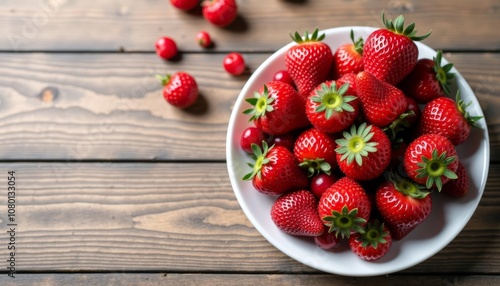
(330,109)
(275,110)
(315,152)
(275,170)
(431,160)
(390,54)
(402,204)
(381,102)
(184,4)
(428,80)
(296,213)
(344,207)
(349,78)
(449,118)
(348,58)
(458,188)
(179,89)
(309,61)
(221,13)
(373,243)
(363,153)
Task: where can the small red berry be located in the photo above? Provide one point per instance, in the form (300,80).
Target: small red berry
(204,39)
(180,89)
(284,76)
(220,12)
(184,4)
(251,135)
(166,48)
(286,140)
(327,240)
(234,63)
(320,183)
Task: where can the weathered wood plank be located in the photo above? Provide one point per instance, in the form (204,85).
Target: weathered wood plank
(110,106)
(144,279)
(135,25)
(174,217)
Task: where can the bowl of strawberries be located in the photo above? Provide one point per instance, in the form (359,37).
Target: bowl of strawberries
(358,151)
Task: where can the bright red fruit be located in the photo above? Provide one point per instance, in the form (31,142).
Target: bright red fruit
(284,76)
(309,61)
(402,204)
(428,80)
(431,160)
(381,102)
(275,170)
(234,63)
(459,187)
(390,54)
(363,153)
(180,89)
(373,243)
(348,58)
(220,12)
(344,207)
(184,4)
(251,135)
(203,38)
(275,110)
(315,152)
(332,108)
(286,140)
(448,118)
(320,183)
(327,240)
(166,48)
(296,213)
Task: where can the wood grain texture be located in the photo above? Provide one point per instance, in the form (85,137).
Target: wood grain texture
(172,217)
(129,25)
(175,279)
(110,106)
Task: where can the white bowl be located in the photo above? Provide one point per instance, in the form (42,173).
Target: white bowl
(448,216)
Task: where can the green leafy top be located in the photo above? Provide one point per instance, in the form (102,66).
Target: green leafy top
(407,186)
(330,99)
(261,103)
(443,74)
(314,37)
(373,235)
(398,27)
(462,107)
(344,222)
(356,144)
(435,168)
(358,44)
(259,155)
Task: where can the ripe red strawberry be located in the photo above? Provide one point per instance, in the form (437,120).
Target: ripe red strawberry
(309,61)
(449,118)
(220,12)
(332,108)
(402,204)
(390,54)
(428,80)
(315,151)
(381,102)
(275,110)
(180,89)
(275,170)
(344,207)
(296,213)
(431,160)
(363,153)
(348,58)
(349,78)
(459,187)
(373,243)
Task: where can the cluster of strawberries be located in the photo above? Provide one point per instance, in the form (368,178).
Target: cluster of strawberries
(353,141)
(180,88)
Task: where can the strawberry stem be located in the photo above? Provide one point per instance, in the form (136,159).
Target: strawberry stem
(333,100)
(462,108)
(374,234)
(435,168)
(344,222)
(315,166)
(356,144)
(259,156)
(443,74)
(398,27)
(262,103)
(164,79)
(314,37)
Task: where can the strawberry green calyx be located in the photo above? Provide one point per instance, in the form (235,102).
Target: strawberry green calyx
(374,234)
(164,79)
(344,222)
(315,166)
(434,168)
(398,27)
(314,37)
(358,44)
(261,103)
(356,144)
(462,107)
(408,187)
(399,125)
(331,99)
(443,74)
(260,159)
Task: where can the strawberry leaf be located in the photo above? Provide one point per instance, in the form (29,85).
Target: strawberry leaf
(356,144)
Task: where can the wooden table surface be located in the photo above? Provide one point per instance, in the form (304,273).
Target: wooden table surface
(116,187)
